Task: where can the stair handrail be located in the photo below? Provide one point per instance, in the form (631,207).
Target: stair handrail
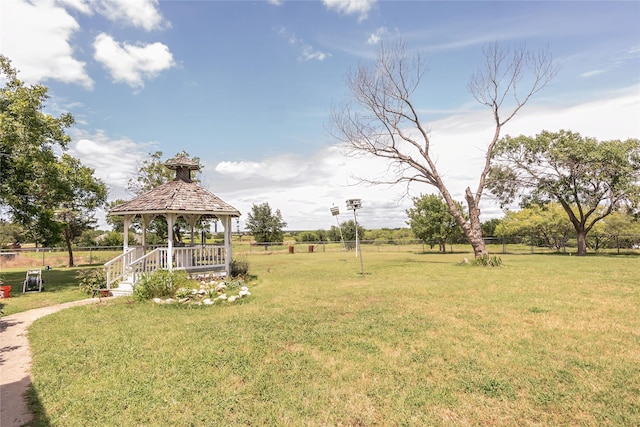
(117,267)
(148,263)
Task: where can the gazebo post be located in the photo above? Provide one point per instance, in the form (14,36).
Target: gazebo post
(125,237)
(227,243)
(170,222)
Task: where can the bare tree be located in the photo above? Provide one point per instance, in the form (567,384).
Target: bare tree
(386,124)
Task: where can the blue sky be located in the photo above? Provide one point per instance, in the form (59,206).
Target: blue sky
(248,87)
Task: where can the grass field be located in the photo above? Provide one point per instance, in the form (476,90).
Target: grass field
(60,285)
(417,340)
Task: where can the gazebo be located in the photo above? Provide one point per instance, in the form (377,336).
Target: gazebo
(174,199)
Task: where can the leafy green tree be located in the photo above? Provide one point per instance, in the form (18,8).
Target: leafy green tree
(489,227)
(29,139)
(115,221)
(51,196)
(88,238)
(589,178)
(78,194)
(322,235)
(431,221)
(307,236)
(546,225)
(264,224)
(153,173)
(349,233)
(10,234)
(620,229)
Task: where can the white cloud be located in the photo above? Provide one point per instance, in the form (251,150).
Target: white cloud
(115,160)
(276,2)
(131,64)
(351,7)
(592,73)
(79,5)
(37,37)
(306,51)
(377,35)
(139,13)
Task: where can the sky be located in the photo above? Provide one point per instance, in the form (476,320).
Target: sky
(249,86)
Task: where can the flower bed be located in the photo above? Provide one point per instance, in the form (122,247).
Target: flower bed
(211,291)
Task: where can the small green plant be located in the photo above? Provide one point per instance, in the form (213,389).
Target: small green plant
(161,284)
(239,268)
(91,279)
(488,261)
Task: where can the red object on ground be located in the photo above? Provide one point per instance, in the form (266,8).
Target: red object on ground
(5,291)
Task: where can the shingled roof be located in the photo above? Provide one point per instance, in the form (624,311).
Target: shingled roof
(181,196)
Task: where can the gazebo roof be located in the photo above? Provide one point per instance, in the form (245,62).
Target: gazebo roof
(181,196)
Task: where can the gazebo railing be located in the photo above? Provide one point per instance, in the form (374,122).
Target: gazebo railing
(117,267)
(190,258)
(199,257)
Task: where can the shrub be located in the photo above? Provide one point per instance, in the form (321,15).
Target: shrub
(91,279)
(239,268)
(160,284)
(488,261)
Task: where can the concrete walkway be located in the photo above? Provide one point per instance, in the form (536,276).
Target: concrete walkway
(15,362)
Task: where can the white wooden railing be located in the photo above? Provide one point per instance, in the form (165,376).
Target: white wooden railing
(117,267)
(132,264)
(198,257)
(154,260)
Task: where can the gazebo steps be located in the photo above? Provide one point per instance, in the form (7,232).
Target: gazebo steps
(123,289)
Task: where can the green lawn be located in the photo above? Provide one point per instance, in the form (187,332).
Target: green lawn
(60,285)
(418,340)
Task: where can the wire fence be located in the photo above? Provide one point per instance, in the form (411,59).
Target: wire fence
(497,245)
(98,255)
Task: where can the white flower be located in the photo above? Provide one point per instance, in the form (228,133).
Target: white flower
(168,301)
(232,298)
(183,300)
(194,291)
(221,287)
(203,283)
(223,296)
(157,300)
(244,293)
(244,289)
(207,301)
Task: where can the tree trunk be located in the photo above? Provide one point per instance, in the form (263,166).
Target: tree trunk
(474,233)
(67,239)
(582,242)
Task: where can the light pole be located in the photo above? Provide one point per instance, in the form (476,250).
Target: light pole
(335,212)
(355,204)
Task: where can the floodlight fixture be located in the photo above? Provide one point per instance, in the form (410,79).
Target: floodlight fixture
(355,204)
